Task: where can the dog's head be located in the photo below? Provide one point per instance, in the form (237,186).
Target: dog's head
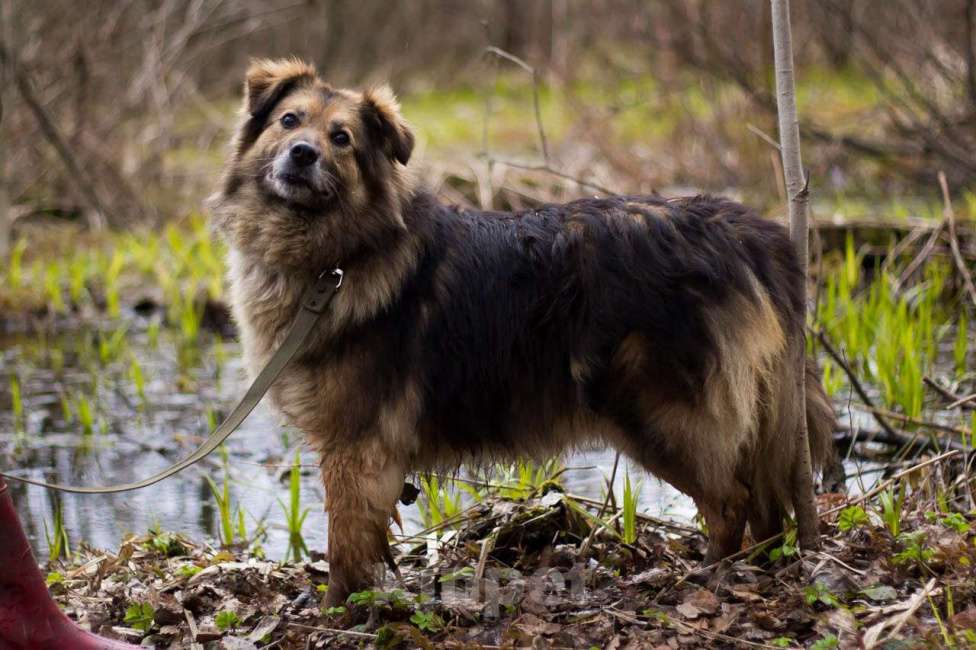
(316,173)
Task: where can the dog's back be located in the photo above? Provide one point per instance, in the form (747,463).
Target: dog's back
(666,328)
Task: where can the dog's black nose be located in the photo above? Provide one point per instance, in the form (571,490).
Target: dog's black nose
(303,154)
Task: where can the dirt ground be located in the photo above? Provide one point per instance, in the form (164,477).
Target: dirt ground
(547,573)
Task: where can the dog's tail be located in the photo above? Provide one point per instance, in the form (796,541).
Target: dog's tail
(777,452)
(820,421)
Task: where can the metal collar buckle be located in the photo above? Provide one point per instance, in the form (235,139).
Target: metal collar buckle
(317,296)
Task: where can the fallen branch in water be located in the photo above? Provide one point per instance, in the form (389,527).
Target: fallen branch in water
(945,428)
(855,382)
(956,401)
(897,438)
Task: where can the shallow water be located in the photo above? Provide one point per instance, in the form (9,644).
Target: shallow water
(135,438)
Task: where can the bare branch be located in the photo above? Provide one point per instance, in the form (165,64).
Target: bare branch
(83,185)
(950,220)
(491,49)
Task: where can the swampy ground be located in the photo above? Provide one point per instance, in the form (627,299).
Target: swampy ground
(117,355)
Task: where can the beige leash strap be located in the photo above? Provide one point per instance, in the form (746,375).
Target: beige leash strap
(313,304)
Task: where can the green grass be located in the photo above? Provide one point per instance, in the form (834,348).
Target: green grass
(226,620)
(58,545)
(891,503)
(438,501)
(15,266)
(295,515)
(891,337)
(82,411)
(17,405)
(629,516)
(525,479)
(182,260)
(231,526)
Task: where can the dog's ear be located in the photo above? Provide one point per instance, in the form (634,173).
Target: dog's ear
(381,114)
(268,81)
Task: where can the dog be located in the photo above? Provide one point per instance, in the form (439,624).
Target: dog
(666,328)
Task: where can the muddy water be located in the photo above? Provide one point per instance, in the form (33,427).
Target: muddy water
(134,437)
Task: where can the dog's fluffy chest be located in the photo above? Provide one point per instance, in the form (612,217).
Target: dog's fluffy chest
(320,391)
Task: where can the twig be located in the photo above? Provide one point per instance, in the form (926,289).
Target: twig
(913,606)
(555,172)
(920,258)
(855,382)
(491,49)
(315,628)
(546,167)
(450,521)
(956,401)
(837,560)
(950,219)
(902,246)
(884,485)
(610,495)
(486,548)
(597,527)
(965,402)
(901,439)
(765,137)
(907,419)
(663,523)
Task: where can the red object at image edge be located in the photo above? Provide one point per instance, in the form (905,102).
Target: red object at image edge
(29,617)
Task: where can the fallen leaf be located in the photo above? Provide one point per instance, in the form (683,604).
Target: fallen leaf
(704,600)
(880,593)
(964,620)
(688,610)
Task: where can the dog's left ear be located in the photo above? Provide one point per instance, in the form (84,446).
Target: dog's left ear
(381,114)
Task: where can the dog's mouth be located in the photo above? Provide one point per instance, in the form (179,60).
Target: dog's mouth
(294,180)
(298,189)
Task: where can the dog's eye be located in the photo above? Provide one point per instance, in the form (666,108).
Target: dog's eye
(289,120)
(340,138)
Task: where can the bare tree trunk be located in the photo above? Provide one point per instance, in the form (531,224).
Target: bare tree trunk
(5,220)
(796,187)
(971,50)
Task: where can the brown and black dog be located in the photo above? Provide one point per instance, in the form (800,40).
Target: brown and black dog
(664,328)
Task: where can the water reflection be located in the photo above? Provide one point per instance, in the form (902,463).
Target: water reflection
(135,436)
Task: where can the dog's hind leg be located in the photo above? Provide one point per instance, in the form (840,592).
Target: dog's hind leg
(765,519)
(725,516)
(720,497)
(362,484)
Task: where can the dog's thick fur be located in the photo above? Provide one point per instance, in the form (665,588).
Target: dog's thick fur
(664,328)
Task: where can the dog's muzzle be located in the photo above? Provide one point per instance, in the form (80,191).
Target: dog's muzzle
(297,175)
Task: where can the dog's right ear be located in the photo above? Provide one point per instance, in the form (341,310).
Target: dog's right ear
(267,81)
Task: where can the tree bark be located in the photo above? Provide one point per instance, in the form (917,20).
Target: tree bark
(970,24)
(5,221)
(804,503)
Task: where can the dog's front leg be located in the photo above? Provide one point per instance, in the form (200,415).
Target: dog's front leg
(362,484)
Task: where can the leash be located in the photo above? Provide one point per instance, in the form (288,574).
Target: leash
(313,303)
